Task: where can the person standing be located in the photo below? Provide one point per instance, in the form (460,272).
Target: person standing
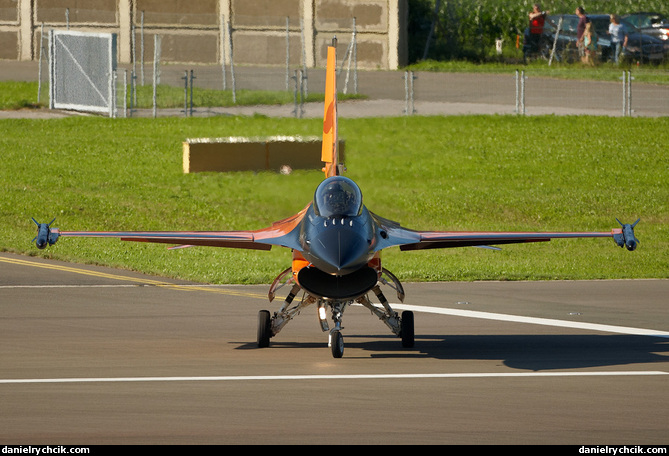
(590,44)
(534,33)
(580,30)
(618,35)
(537,21)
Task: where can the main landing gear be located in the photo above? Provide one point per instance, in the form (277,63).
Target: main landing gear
(402,326)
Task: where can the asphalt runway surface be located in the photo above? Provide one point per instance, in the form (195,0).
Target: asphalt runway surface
(92,355)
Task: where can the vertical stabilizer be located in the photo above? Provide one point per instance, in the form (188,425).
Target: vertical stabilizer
(330,151)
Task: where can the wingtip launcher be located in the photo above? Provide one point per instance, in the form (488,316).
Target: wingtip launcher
(45,234)
(625,237)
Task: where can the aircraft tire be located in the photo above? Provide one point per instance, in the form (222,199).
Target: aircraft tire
(407,329)
(337,344)
(264,328)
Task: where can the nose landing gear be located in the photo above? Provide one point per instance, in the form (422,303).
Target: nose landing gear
(402,326)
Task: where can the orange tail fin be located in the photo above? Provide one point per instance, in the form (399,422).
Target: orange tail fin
(330,150)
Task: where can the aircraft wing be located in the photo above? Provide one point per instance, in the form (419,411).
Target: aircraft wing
(447,239)
(395,235)
(284,233)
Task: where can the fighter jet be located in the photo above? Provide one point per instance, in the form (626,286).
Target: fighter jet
(336,245)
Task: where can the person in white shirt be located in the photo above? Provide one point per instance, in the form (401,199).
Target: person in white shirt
(618,37)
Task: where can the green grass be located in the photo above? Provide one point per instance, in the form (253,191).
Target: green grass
(18,95)
(652,74)
(173,97)
(460,173)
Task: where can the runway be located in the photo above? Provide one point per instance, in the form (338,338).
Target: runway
(93,355)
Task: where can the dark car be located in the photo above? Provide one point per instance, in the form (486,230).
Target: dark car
(653,24)
(640,47)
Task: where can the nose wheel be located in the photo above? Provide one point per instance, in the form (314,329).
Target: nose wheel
(337,344)
(407,334)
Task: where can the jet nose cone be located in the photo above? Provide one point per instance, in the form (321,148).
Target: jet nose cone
(339,250)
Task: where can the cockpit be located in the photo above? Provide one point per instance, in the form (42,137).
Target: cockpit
(338,196)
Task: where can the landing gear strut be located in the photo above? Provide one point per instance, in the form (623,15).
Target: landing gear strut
(270,325)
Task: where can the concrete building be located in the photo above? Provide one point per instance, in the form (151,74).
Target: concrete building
(197,31)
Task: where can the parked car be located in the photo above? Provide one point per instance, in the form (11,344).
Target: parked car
(640,47)
(653,24)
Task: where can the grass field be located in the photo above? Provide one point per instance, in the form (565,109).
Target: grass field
(460,172)
(22,94)
(647,73)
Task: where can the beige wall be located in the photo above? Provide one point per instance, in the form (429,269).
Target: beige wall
(192,31)
(254,154)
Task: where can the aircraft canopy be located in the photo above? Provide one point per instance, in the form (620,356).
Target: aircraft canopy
(338,196)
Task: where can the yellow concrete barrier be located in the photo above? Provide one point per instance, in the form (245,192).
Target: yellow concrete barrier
(277,153)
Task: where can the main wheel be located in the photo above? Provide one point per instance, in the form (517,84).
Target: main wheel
(407,329)
(264,328)
(337,344)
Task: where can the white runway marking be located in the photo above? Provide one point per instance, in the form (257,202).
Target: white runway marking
(246,378)
(534,321)
(425,309)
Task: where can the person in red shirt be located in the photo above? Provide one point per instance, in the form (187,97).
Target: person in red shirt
(537,21)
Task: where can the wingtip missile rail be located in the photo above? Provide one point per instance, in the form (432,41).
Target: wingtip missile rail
(625,236)
(45,235)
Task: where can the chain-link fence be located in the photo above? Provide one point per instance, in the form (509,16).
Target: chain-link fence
(153,88)
(396,93)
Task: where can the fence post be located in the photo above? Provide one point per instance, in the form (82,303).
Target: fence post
(39,68)
(624,78)
(522,91)
(112,104)
(185,78)
(629,93)
(125,93)
(305,74)
(406,92)
(133,91)
(141,52)
(191,92)
(517,99)
(355,58)
(287,52)
(232,65)
(295,92)
(156,78)
(409,93)
(52,89)
(222,44)
(557,34)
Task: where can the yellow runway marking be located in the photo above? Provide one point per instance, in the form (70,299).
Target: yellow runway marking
(138,280)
